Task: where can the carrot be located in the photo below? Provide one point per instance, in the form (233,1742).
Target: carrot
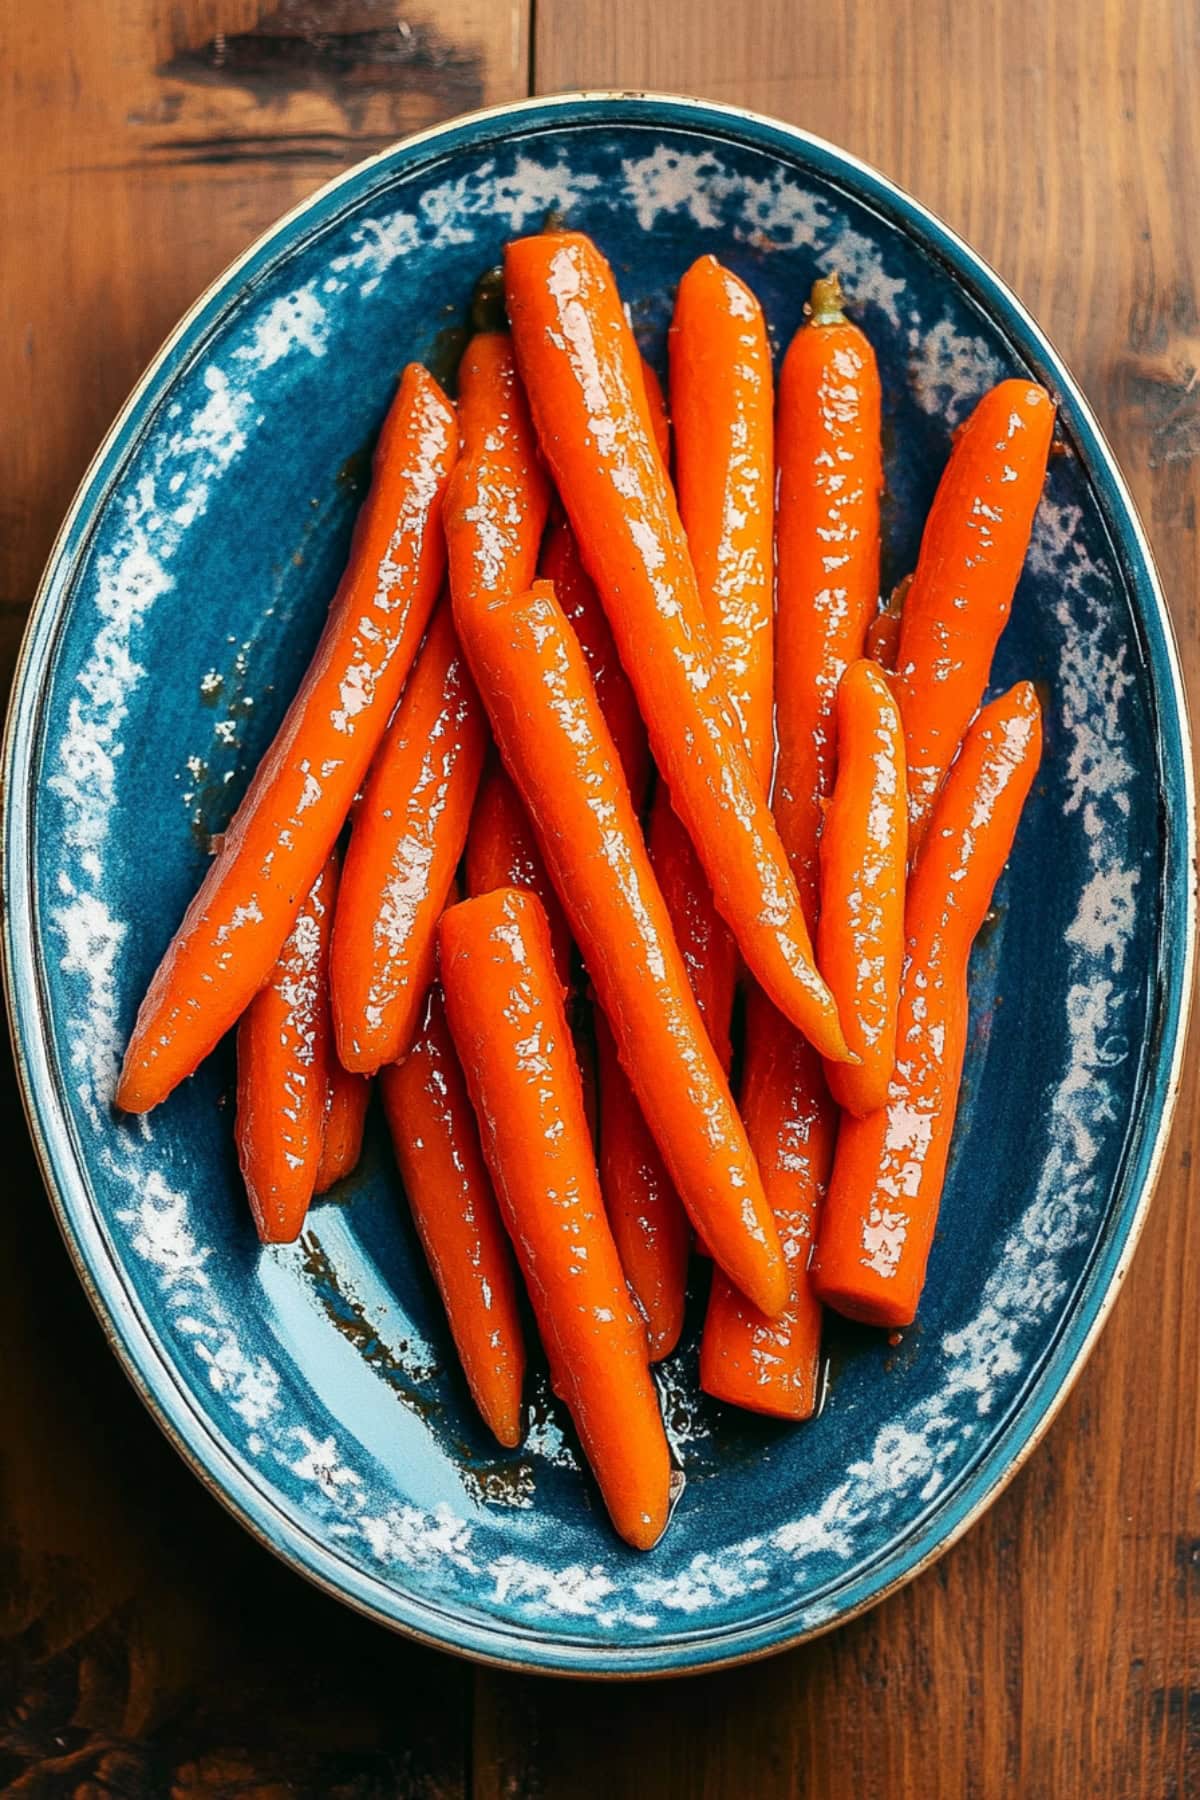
(583,376)
(772,1365)
(533,680)
(649,1226)
(502,851)
(283,1054)
(302,790)
(408,836)
(346,1099)
(660,425)
(886,1187)
(721,402)
(883,633)
(864,857)
(972,551)
(504,1004)
(827,545)
(708,950)
(437,1150)
(562,565)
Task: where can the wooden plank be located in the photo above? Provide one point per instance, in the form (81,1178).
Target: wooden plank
(149,1646)
(1053,1652)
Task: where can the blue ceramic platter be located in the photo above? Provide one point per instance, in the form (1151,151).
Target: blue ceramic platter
(314,1388)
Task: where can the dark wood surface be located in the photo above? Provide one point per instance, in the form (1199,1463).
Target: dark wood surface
(147,1646)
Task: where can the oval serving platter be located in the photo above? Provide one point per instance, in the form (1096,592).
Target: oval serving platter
(313,1388)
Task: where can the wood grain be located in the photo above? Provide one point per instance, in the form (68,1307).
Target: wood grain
(147,1646)
(1055,1651)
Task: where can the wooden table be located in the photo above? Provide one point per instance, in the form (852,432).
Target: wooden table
(149,1648)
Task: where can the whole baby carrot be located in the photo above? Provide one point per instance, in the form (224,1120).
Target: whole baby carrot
(827,550)
(502,851)
(864,859)
(505,1009)
(972,551)
(772,1365)
(879,1217)
(409,830)
(283,1054)
(583,376)
(649,1226)
(722,400)
(534,682)
(346,1099)
(437,1149)
(297,802)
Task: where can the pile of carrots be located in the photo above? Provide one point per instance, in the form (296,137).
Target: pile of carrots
(614,725)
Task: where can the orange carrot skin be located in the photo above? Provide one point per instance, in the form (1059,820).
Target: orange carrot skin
(408,836)
(649,1225)
(583,376)
(437,1150)
(722,401)
(886,1187)
(499,496)
(562,565)
(660,425)
(773,1365)
(505,1008)
(502,851)
(709,952)
(864,859)
(883,633)
(302,790)
(283,1056)
(346,1100)
(972,552)
(533,679)
(827,549)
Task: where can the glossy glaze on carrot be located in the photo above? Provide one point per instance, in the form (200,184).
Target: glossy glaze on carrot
(409,830)
(864,861)
(283,1056)
(773,1365)
(881,1210)
(827,550)
(346,1100)
(533,679)
(300,795)
(722,405)
(883,633)
(505,1008)
(436,1142)
(972,551)
(502,851)
(582,373)
(649,1226)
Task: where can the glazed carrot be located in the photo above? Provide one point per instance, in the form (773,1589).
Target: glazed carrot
(562,565)
(505,1009)
(722,398)
(772,1365)
(533,680)
(502,851)
(883,633)
(436,1142)
(648,1223)
(283,1054)
(879,1216)
(709,952)
(827,546)
(408,836)
(660,425)
(346,1099)
(972,551)
(864,858)
(297,802)
(583,376)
